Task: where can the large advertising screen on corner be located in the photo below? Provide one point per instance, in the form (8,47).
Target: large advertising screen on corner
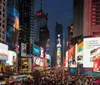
(92,53)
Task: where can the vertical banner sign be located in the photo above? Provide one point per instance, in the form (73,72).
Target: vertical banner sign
(59,50)
(23,49)
(71,57)
(80,53)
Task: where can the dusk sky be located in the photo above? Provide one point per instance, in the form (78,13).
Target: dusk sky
(60,11)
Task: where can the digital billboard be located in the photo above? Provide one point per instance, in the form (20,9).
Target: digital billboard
(72,62)
(36,50)
(12,56)
(3,51)
(12,26)
(92,53)
(42,52)
(23,49)
(80,53)
(58,45)
(38,61)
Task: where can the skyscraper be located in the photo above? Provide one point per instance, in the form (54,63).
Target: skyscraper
(40,21)
(86,17)
(12,33)
(27,22)
(3,21)
(41,32)
(59,43)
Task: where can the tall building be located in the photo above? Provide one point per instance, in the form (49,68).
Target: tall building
(78,10)
(12,33)
(3,21)
(27,23)
(86,17)
(40,22)
(59,43)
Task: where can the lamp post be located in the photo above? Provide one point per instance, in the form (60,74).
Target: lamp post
(63,57)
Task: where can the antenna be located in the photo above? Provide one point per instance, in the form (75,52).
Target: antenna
(40,4)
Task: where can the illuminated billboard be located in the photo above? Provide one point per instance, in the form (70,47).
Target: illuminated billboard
(23,49)
(80,53)
(12,56)
(92,53)
(42,52)
(72,57)
(12,26)
(36,50)
(3,51)
(58,45)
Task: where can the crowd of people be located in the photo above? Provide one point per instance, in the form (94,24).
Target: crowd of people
(55,77)
(52,77)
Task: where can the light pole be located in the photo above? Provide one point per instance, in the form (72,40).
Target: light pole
(63,57)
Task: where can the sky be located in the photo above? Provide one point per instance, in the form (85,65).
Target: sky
(60,11)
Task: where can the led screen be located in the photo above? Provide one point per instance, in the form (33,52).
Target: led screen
(42,52)
(11,58)
(3,51)
(36,50)
(92,53)
(80,53)
(72,57)
(12,26)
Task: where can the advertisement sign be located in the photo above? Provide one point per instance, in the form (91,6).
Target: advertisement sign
(12,26)
(12,56)
(3,52)
(92,53)
(42,52)
(36,50)
(38,61)
(72,57)
(80,53)
(23,49)
(59,42)
(66,59)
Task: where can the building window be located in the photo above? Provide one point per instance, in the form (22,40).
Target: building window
(3,10)
(0,24)
(0,12)
(3,26)
(0,1)
(3,15)
(0,7)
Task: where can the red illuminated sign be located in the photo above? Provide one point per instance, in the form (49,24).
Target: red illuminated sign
(39,14)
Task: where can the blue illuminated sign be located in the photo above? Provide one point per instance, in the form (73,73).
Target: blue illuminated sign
(35,50)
